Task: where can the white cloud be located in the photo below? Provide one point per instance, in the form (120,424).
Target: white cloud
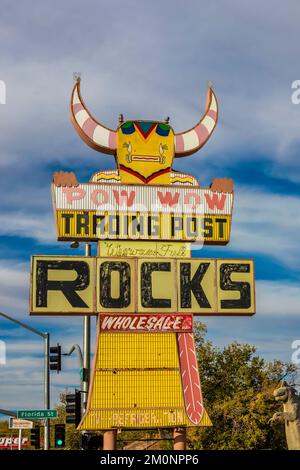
(139,74)
(278,298)
(39,227)
(266,223)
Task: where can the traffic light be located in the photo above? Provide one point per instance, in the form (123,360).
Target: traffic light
(59,436)
(55,358)
(73,408)
(90,441)
(35,437)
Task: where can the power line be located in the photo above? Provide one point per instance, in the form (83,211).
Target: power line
(19,384)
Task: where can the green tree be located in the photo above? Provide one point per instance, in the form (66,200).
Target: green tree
(237,387)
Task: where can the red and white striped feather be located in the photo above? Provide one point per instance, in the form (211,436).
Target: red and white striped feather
(190,377)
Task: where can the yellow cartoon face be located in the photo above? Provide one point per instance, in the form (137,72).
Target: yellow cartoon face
(145,152)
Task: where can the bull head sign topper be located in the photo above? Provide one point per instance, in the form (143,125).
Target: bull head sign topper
(144,150)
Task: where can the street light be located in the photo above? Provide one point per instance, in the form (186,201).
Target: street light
(45,336)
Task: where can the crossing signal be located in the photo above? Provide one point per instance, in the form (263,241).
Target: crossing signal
(73,408)
(35,437)
(55,358)
(59,436)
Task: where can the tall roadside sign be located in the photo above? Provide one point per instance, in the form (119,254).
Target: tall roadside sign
(143,285)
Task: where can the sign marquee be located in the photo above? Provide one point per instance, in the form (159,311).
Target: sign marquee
(107,211)
(80,285)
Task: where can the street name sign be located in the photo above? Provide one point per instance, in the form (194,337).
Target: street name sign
(37,414)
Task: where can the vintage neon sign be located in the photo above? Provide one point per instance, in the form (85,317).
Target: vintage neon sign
(144,286)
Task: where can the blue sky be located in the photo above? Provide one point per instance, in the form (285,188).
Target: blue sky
(149,61)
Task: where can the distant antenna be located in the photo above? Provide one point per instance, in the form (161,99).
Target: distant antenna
(210,84)
(76,76)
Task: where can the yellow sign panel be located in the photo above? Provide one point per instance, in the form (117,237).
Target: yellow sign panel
(155,281)
(198,288)
(138,384)
(62,285)
(236,286)
(116,289)
(97,225)
(80,285)
(144,249)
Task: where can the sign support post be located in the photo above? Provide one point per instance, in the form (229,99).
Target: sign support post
(47,393)
(110,440)
(86,347)
(179,438)
(20,440)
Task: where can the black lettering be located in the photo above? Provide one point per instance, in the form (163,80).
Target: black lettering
(137,225)
(191,226)
(207,226)
(147,299)
(68,288)
(106,300)
(114,221)
(227,284)
(189,286)
(67,218)
(153,229)
(82,222)
(176,224)
(221,223)
(98,223)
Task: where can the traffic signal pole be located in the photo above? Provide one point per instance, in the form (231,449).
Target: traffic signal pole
(45,336)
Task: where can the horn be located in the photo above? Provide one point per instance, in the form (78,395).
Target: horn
(188,142)
(93,133)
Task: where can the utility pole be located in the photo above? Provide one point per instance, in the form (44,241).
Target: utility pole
(77,348)
(20,440)
(46,338)
(180,439)
(47,392)
(86,348)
